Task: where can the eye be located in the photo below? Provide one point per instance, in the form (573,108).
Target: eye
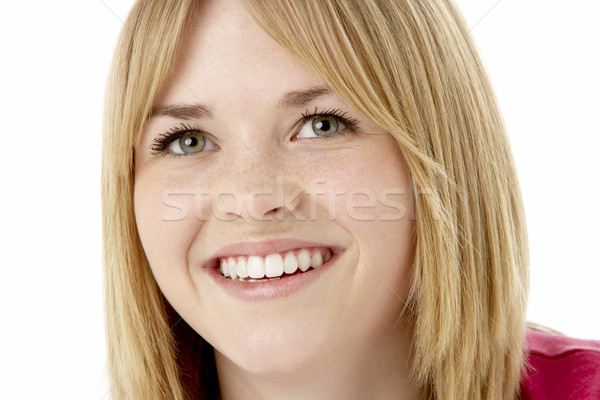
(182,140)
(189,143)
(320,126)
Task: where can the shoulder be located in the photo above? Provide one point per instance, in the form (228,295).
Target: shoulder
(560,367)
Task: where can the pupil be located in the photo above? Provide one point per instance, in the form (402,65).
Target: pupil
(190,141)
(323,125)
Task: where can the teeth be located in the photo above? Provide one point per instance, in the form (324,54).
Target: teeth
(256,267)
(274,265)
(317,259)
(304,260)
(242,268)
(232,267)
(290,263)
(224,268)
(259,280)
(271,267)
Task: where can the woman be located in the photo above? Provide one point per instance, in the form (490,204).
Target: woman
(309,200)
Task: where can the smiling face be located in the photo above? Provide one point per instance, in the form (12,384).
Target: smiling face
(251,167)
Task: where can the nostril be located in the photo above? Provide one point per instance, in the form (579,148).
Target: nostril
(264,207)
(275,210)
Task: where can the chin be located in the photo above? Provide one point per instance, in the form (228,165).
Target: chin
(276,352)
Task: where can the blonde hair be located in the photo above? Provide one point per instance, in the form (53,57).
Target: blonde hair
(411,67)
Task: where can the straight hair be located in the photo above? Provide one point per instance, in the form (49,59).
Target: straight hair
(412,68)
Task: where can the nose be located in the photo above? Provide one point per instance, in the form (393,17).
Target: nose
(257,187)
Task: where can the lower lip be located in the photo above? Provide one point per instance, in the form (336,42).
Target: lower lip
(267,290)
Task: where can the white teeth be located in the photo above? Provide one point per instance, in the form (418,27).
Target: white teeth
(290,263)
(256,267)
(224,268)
(273,265)
(242,268)
(232,267)
(304,260)
(317,259)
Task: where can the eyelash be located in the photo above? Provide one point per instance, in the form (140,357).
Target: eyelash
(164,140)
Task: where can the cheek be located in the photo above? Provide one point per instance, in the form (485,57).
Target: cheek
(368,189)
(167,224)
(371,194)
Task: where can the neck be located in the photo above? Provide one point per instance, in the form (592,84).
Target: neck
(379,371)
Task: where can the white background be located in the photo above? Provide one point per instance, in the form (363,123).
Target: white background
(543,58)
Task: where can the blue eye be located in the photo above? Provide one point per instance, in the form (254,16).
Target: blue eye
(320,126)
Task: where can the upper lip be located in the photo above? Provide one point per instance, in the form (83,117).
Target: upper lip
(264,248)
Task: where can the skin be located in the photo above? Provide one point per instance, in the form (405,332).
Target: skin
(337,338)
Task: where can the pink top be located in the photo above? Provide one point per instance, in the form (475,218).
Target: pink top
(561,368)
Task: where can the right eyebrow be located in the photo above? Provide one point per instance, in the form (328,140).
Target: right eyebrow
(185,112)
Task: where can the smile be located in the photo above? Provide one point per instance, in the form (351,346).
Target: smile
(275,266)
(270,269)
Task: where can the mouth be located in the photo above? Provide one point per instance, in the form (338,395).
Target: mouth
(275,266)
(269,269)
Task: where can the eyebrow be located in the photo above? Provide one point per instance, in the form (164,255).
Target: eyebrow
(293,99)
(300,98)
(185,112)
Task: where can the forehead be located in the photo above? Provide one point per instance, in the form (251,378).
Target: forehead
(225,56)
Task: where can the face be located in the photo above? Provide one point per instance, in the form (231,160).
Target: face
(251,165)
